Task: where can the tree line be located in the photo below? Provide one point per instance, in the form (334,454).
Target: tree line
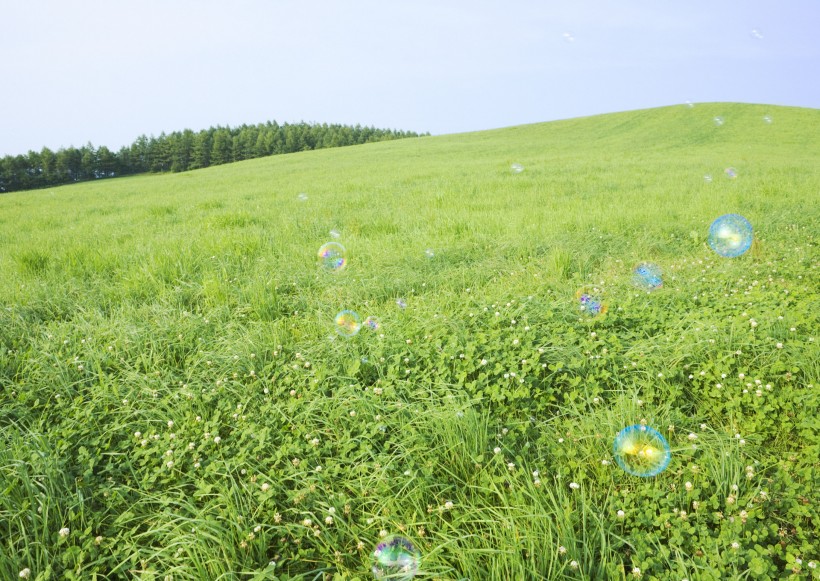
(179,151)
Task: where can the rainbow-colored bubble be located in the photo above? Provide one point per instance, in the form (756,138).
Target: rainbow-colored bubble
(395,558)
(648,276)
(730,235)
(641,451)
(590,301)
(332,256)
(347,323)
(372,324)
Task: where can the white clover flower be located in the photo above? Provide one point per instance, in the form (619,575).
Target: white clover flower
(307,522)
(497,450)
(448,505)
(265,487)
(636,572)
(170,423)
(217,439)
(562,550)
(621,514)
(328,520)
(25,573)
(574,485)
(735,545)
(574,564)
(688,486)
(64,532)
(170,463)
(692,436)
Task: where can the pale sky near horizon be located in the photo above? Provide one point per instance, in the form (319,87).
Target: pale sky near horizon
(107,71)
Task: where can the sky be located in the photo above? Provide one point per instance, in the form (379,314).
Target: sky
(108,71)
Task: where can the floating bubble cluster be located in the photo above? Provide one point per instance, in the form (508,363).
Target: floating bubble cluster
(730,235)
(347,323)
(516,168)
(647,276)
(395,558)
(730,172)
(332,256)
(590,301)
(641,451)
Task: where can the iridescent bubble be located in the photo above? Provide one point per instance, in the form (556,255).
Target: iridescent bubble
(590,301)
(718,121)
(395,558)
(372,324)
(302,197)
(641,451)
(401,303)
(332,256)
(347,323)
(730,235)
(708,178)
(516,168)
(648,276)
(730,172)
(429,253)
(767,120)
(335,234)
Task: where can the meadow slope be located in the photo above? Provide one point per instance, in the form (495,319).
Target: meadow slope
(175,402)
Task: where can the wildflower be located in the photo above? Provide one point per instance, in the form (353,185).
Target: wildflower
(25,573)
(636,572)
(138,434)
(497,450)
(98,540)
(265,487)
(621,514)
(277,518)
(573,564)
(64,531)
(307,522)
(170,463)
(328,520)
(562,550)
(574,485)
(688,486)
(735,545)
(170,423)
(217,439)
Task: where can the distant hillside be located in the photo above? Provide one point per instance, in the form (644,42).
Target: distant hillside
(180,151)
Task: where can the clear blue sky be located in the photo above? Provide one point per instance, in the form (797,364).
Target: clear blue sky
(106,71)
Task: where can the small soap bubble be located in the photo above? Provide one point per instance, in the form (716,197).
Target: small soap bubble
(395,558)
(756,33)
(718,121)
(516,168)
(648,276)
(730,235)
(335,234)
(590,301)
(767,119)
(730,172)
(302,197)
(429,253)
(372,324)
(641,451)
(690,104)
(568,37)
(708,178)
(401,303)
(332,256)
(347,323)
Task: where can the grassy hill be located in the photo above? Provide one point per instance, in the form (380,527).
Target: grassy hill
(175,395)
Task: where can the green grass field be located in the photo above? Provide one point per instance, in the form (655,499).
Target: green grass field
(176,403)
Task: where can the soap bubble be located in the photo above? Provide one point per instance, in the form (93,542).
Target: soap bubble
(332,256)
(708,178)
(372,323)
(302,197)
(590,301)
(641,451)
(395,558)
(730,235)
(347,323)
(335,234)
(767,119)
(690,104)
(401,303)
(516,168)
(429,253)
(730,172)
(647,276)
(718,121)
(568,37)
(756,33)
